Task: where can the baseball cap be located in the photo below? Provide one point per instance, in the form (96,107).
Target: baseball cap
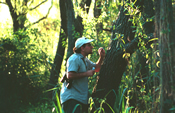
(83,40)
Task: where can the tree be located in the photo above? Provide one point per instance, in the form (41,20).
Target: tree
(56,67)
(164,31)
(70,27)
(19,11)
(114,64)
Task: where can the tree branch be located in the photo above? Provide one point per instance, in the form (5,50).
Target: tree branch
(11,8)
(42,17)
(110,30)
(15,4)
(131,46)
(3,3)
(38,5)
(30,2)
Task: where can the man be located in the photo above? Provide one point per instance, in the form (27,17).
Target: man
(79,68)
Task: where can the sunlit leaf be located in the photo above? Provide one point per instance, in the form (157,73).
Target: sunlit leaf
(158,63)
(126,55)
(153,39)
(158,54)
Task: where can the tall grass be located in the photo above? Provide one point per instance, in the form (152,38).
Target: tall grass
(116,109)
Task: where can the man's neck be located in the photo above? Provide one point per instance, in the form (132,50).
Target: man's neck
(83,54)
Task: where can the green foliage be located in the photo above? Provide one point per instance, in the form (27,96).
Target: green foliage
(24,68)
(140,93)
(25,58)
(91,31)
(59,109)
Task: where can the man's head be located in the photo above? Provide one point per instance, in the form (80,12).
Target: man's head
(83,45)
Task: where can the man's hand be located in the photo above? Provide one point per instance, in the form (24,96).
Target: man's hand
(90,73)
(101,52)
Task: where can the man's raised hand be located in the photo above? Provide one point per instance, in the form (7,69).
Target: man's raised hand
(101,52)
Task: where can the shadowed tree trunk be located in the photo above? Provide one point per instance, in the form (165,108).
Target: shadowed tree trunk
(99,25)
(167,52)
(74,24)
(155,59)
(77,23)
(70,27)
(60,48)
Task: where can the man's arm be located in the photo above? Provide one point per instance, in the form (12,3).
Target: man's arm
(101,52)
(74,75)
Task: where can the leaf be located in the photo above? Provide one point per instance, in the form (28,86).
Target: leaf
(123,41)
(152,45)
(58,104)
(153,39)
(126,55)
(158,54)
(157,64)
(76,107)
(157,89)
(127,14)
(172,109)
(142,90)
(133,26)
(122,97)
(130,20)
(110,107)
(147,56)
(127,110)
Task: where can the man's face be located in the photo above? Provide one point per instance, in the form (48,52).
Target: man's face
(88,49)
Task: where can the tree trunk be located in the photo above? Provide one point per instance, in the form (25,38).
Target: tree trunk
(74,25)
(114,65)
(13,15)
(155,59)
(99,25)
(70,27)
(19,17)
(166,49)
(61,48)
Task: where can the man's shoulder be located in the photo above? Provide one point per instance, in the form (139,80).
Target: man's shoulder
(74,57)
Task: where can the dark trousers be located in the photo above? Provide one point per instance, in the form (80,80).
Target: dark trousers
(73,106)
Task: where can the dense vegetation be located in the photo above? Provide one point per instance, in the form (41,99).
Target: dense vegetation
(127,29)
